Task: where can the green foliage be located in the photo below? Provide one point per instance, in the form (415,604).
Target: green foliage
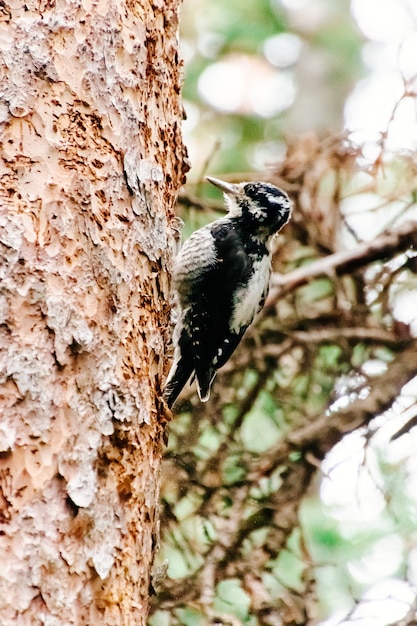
(316,290)
(260,430)
(213,32)
(231,599)
(233,471)
(190,617)
(242,26)
(289,570)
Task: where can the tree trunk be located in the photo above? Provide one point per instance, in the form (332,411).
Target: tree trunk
(92,158)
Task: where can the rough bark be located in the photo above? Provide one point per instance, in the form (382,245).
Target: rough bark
(91,160)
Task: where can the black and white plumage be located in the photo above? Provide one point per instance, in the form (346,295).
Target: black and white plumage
(221,277)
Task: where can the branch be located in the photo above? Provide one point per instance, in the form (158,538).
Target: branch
(333,334)
(325,432)
(322,434)
(205,205)
(347,261)
(314,440)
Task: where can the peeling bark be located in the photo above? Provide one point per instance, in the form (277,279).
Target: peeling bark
(92,158)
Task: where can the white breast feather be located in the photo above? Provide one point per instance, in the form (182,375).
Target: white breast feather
(247,298)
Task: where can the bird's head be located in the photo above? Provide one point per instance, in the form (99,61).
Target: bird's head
(262,206)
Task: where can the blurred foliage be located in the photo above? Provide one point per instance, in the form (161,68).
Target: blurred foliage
(273,512)
(257,71)
(246,538)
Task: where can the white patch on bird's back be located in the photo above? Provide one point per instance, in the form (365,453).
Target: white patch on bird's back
(247,300)
(197,253)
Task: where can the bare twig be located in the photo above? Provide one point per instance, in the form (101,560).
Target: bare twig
(322,434)
(347,261)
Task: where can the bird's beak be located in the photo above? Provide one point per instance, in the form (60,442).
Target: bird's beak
(225,187)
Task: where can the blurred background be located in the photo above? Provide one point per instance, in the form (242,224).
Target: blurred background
(291,496)
(259,72)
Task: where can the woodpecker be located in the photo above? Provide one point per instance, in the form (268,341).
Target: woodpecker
(221,278)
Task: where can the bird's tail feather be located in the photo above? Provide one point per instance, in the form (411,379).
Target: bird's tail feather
(204,382)
(177,380)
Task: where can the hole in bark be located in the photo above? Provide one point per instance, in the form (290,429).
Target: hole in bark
(75,347)
(72,506)
(125,490)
